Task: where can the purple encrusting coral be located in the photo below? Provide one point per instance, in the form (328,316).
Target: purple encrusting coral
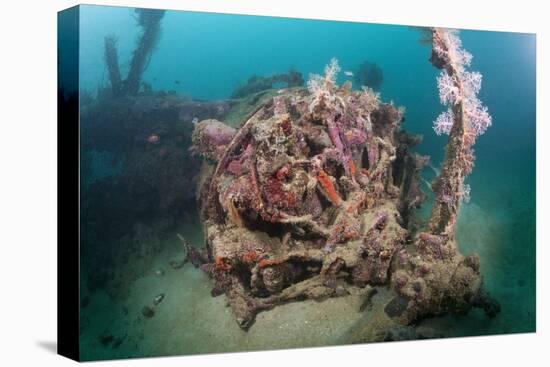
(214,135)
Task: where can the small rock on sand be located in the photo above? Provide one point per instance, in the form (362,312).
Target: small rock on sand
(147,311)
(158,299)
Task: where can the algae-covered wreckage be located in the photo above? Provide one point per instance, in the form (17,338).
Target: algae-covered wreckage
(314,195)
(302,192)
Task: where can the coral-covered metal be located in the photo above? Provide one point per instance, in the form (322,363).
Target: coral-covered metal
(313,196)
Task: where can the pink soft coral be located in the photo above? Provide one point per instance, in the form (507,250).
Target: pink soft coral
(444,122)
(471,82)
(452,50)
(448,91)
(478,116)
(462,87)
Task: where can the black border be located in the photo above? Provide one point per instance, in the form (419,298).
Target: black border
(68,201)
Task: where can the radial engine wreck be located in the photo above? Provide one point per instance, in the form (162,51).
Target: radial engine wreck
(314,195)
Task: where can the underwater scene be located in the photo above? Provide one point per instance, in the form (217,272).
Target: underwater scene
(253,183)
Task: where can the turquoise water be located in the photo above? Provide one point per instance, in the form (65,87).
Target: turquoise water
(206,56)
(211,54)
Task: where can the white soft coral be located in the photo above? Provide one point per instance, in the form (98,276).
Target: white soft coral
(448,91)
(478,116)
(452,50)
(462,87)
(369,99)
(444,122)
(322,88)
(471,82)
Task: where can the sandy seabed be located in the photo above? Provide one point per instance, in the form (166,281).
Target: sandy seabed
(501,229)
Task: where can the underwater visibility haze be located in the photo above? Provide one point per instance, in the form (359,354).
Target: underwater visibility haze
(250,183)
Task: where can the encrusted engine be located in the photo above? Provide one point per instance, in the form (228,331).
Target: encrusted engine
(309,197)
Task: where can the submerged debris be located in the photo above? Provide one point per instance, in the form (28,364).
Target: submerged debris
(303,201)
(193,255)
(149,21)
(260,83)
(438,279)
(313,196)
